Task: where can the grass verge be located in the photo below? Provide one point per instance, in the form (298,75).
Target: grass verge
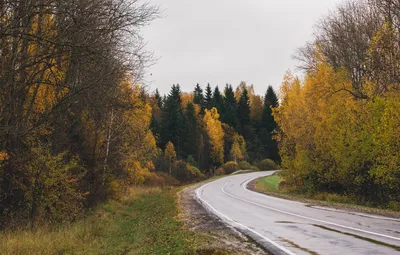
(270,185)
(143,222)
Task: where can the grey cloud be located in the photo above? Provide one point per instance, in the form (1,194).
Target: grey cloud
(220,41)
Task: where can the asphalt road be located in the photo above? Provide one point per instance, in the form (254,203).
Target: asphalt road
(289,227)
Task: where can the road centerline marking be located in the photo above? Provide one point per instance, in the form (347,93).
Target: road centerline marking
(305,217)
(239,224)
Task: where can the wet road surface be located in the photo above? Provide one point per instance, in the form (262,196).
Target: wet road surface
(290,227)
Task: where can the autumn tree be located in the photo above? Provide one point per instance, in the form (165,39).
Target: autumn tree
(62,98)
(216,135)
(170,154)
(236,153)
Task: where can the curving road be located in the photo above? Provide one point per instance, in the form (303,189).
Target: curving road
(289,227)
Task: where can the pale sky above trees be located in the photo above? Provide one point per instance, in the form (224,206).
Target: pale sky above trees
(221,41)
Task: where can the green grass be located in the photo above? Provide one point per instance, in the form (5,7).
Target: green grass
(269,184)
(144,222)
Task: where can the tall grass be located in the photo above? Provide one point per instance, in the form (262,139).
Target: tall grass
(91,235)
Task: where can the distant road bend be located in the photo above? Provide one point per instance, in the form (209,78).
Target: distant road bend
(289,227)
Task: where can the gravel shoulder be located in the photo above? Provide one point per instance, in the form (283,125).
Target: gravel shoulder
(219,237)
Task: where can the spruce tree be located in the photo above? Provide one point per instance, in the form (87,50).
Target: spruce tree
(245,127)
(230,106)
(270,101)
(173,126)
(243,111)
(198,96)
(158,98)
(218,101)
(269,126)
(208,97)
(192,142)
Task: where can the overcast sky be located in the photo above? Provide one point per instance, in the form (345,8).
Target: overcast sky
(228,41)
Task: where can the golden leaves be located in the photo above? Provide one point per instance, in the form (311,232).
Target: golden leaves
(4,156)
(214,130)
(169,152)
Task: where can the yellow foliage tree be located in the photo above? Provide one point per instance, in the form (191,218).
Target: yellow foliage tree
(170,154)
(216,134)
(236,153)
(333,141)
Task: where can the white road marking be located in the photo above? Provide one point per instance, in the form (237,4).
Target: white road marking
(304,217)
(239,224)
(245,183)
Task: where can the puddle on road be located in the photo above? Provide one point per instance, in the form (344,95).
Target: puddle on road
(292,244)
(286,222)
(397,248)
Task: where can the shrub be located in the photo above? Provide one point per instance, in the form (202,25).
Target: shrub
(161,164)
(184,172)
(220,171)
(191,161)
(394,205)
(244,165)
(230,167)
(267,165)
(153,179)
(255,169)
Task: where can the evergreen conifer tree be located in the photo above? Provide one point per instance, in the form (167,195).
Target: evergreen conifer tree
(174,126)
(218,101)
(268,126)
(208,98)
(230,106)
(243,111)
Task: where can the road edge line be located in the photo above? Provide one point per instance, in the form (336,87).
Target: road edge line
(221,215)
(304,217)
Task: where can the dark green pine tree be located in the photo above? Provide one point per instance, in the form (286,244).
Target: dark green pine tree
(208,97)
(174,126)
(158,98)
(270,101)
(199,97)
(192,142)
(155,126)
(245,127)
(243,111)
(230,106)
(218,101)
(269,125)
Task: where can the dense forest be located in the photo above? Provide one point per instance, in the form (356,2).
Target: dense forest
(77,127)
(340,125)
(210,127)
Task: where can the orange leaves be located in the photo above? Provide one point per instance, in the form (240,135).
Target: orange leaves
(4,156)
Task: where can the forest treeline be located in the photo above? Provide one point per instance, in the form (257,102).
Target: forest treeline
(340,125)
(210,127)
(76,126)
